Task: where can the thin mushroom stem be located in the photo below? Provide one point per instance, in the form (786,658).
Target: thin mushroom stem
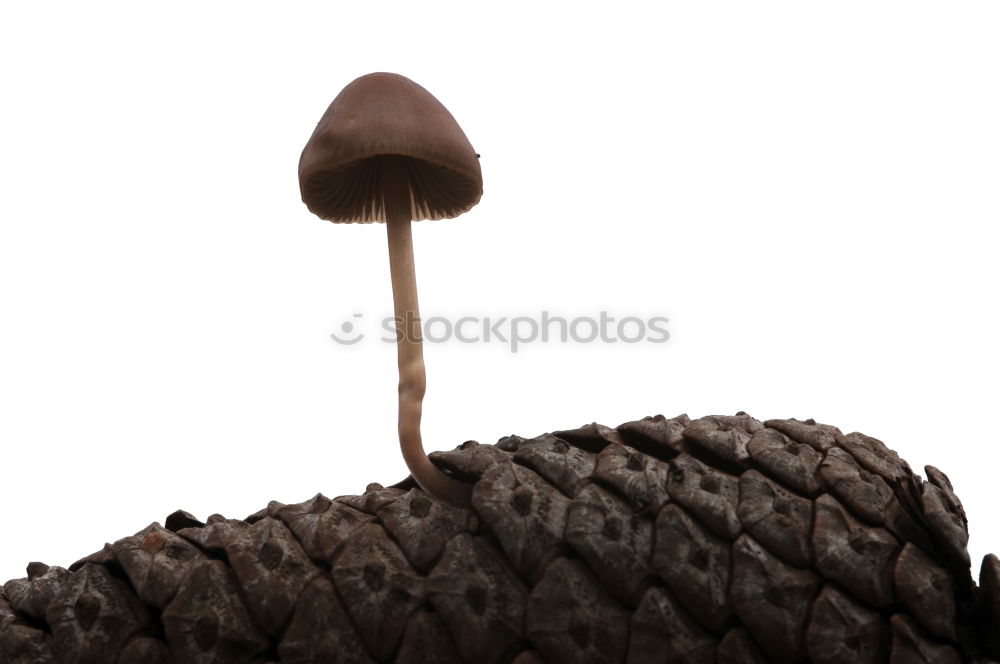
(412,380)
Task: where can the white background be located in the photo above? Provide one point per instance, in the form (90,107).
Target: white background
(807,190)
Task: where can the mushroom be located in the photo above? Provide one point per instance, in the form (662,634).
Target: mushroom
(387,150)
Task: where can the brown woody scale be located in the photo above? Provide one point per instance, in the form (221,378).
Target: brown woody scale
(722,539)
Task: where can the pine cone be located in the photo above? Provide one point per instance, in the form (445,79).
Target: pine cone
(665,540)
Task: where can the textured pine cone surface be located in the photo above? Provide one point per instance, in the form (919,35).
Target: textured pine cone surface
(722,539)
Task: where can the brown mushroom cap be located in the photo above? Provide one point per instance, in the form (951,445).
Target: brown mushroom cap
(380,124)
